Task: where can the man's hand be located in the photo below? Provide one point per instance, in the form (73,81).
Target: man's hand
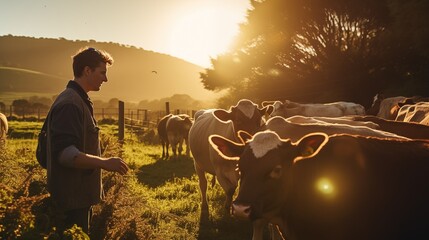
(115,164)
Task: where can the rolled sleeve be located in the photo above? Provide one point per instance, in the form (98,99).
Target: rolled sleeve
(67,156)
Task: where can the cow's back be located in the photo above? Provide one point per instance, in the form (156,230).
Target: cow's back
(294,131)
(162,127)
(205,125)
(361,189)
(418,113)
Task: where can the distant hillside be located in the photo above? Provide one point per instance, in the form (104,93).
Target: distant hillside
(44,66)
(22,80)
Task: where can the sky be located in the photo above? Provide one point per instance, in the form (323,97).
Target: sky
(193,30)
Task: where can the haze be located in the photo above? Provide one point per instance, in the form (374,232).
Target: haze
(192,30)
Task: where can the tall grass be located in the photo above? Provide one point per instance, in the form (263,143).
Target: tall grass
(157,199)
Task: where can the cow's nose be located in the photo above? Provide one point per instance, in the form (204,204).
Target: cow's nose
(241,211)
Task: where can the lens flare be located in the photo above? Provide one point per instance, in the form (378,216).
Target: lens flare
(325,186)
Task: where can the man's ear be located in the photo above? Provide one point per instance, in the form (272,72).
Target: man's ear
(226,148)
(309,145)
(87,70)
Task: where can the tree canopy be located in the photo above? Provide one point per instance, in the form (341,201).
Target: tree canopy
(322,51)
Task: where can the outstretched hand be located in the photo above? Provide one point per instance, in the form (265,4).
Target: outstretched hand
(115,164)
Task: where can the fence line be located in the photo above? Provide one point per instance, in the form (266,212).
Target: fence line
(132,116)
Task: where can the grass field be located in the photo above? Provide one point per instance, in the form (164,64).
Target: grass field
(158,199)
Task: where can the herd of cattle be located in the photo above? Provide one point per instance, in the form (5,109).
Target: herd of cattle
(315,171)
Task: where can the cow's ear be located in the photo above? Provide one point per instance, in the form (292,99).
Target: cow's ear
(310,145)
(226,148)
(269,110)
(244,136)
(222,115)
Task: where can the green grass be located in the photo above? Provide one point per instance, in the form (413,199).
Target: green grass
(157,199)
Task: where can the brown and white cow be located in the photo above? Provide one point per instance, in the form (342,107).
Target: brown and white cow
(4,127)
(335,109)
(295,131)
(244,116)
(338,187)
(177,128)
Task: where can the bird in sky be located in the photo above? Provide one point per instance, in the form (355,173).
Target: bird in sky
(154,72)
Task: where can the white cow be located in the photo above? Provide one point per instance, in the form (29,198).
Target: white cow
(244,116)
(333,120)
(335,109)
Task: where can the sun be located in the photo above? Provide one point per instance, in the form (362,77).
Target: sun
(202,33)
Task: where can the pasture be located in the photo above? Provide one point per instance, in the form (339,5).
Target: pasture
(157,199)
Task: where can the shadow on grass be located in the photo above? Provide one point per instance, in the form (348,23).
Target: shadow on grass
(163,170)
(225,228)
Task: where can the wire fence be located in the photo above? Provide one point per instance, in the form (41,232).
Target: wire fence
(133,116)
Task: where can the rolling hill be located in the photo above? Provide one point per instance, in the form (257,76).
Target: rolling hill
(43,65)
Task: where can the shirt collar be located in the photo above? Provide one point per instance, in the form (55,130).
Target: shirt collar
(75,86)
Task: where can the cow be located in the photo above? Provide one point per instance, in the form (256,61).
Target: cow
(3,127)
(388,108)
(177,129)
(332,120)
(418,112)
(385,107)
(332,187)
(162,133)
(334,109)
(295,131)
(406,129)
(244,116)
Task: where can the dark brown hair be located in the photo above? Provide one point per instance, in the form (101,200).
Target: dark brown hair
(90,57)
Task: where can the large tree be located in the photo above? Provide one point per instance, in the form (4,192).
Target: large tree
(314,51)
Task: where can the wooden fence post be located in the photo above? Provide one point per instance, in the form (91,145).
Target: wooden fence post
(167,108)
(121,121)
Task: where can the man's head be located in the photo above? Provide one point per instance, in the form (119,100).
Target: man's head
(90,68)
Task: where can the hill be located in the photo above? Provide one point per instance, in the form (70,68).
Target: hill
(43,65)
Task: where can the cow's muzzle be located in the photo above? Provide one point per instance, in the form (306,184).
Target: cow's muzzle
(241,211)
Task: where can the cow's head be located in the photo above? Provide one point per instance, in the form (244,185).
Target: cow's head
(265,162)
(245,116)
(285,109)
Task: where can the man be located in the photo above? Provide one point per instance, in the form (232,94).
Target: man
(74,163)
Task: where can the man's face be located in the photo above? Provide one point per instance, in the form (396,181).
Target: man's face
(97,76)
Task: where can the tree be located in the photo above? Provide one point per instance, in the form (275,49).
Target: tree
(20,106)
(311,51)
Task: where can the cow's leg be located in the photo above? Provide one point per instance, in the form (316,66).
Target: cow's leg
(174,147)
(180,146)
(229,189)
(258,227)
(187,147)
(202,180)
(163,147)
(167,144)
